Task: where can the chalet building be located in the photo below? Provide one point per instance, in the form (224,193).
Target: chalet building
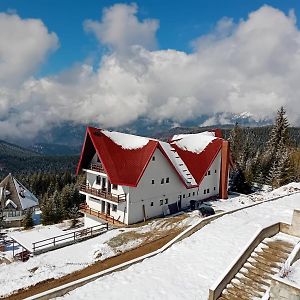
(131,178)
(15,201)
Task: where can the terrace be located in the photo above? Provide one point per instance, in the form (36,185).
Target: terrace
(84,208)
(103,194)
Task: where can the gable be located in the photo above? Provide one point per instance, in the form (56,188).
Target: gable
(123,166)
(199,163)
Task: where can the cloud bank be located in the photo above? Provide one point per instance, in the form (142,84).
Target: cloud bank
(252,65)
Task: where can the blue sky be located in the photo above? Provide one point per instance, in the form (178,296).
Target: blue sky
(113,63)
(180,22)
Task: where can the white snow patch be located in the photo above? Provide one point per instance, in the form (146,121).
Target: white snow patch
(294,275)
(195,263)
(126,141)
(195,143)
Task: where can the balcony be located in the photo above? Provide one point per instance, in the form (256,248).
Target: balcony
(103,194)
(97,167)
(84,208)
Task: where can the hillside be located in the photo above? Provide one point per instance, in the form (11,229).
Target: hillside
(17,160)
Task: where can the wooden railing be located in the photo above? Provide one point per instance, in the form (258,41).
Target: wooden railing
(96,213)
(103,194)
(71,237)
(97,168)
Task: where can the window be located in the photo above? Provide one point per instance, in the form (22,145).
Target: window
(207,191)
(162,181)
(161,202)
(152,181)
(214,188)
(153,158)
(193,193)
(183,196)
(151,204)
(204,191)
(189,194)
(215,171)
(167,180)
(208,173)
(114,207)
(114,186)
(98,180)
(166,201)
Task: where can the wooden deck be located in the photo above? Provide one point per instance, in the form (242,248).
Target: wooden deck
(84,208)
(103,194)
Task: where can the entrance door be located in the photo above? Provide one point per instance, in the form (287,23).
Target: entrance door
(179,202)
(103,184)
(108,209)
(103,207)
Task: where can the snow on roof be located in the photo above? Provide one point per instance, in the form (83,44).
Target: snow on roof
(27,199)
(179,164)
(10,202)
(126,141)
(26,238)
(195,143)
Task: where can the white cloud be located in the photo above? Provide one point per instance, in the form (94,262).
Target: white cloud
(120,28)
(250,66)
(24,44)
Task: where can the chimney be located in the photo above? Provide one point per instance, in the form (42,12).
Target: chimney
(223,192)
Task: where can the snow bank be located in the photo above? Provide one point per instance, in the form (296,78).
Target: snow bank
(294,275)
(126,141)
(195,143)
(190,267)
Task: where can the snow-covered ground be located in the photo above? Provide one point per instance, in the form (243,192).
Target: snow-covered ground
(60,262)
(236,201)
(189,268)
(294,275)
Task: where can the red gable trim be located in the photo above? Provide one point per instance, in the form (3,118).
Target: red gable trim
(126,167)
(199,163)
(123,166)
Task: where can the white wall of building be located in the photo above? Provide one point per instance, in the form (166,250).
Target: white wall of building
(150,195)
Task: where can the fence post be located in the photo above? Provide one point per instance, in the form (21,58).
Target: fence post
(74,236)
(106,226)
(54,241)
(91,231)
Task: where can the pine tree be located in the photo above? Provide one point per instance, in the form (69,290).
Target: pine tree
(74,214)
(235,139)
(28,221)
(277,161)
(279,138)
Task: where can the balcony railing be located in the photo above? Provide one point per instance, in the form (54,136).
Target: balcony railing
(103,194)
(97,167)
(96,213)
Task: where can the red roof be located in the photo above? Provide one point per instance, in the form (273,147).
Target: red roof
(126,167)
(199,163)
(123,166)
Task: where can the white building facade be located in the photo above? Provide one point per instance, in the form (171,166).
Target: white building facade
(130,179)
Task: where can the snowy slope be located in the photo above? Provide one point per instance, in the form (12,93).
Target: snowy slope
(189,268)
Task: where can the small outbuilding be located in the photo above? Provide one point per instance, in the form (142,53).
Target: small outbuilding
(15,201)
